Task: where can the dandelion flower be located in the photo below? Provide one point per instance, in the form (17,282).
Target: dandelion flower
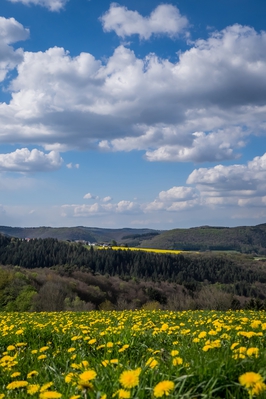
(17,384)
(122,394)
(253,382)
(32,389)
(32,374)
(50,395)
(163,388)
(130,378)
(16,374)
(85,378)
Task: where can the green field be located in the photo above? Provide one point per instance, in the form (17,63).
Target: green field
(133,354)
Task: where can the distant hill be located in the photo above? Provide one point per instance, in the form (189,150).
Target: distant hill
(91,234)
(245,239)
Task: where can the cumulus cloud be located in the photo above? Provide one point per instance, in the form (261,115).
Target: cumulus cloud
(11,31)
(233,177)
(24,160)
(175,199)
(90,196)
(107,199)
(201,108)
(72,166)
(52,5)
(177,194)
(164,20)
(97,209)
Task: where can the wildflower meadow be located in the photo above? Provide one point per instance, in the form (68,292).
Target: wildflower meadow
(133,354)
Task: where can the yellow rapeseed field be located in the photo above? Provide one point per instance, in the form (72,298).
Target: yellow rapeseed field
(159,251)
(133,354)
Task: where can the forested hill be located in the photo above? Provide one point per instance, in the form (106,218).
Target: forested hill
(246,239)
(181,268)
(91,234)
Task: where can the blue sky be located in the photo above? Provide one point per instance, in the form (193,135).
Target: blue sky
(132,114)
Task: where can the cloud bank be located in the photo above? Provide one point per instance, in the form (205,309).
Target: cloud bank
(201,108)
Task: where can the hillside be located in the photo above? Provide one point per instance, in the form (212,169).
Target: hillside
(47,274)
(246,239)
(91,234)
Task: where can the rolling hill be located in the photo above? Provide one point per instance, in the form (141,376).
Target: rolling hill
(246,239)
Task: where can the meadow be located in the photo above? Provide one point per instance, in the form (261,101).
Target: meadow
(133,354)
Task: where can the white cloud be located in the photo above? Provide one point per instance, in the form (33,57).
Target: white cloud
(52,5)
(11,31)
(72,166)
(174,199)
(177,194)
(164,20)
(201,108)
(107,199)
(97,209)
(248,177)
(24,160)
(90,196)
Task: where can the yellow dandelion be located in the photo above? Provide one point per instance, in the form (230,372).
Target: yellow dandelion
(130,378)
(174,353)
(17,384)
(122,394)
(32,374)
(253,382)
(32,389)
(85,378)
(50,395)
(44,348)
(41,357)
(69,377)
(2,395)
(163,388)
(71,350)
(177,361)
(253,352)
(151,362)
(16,374)
(11,348)
(46,386)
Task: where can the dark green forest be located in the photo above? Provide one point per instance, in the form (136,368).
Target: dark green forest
(89,278)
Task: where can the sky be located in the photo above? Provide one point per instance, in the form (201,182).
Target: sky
(132,114)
